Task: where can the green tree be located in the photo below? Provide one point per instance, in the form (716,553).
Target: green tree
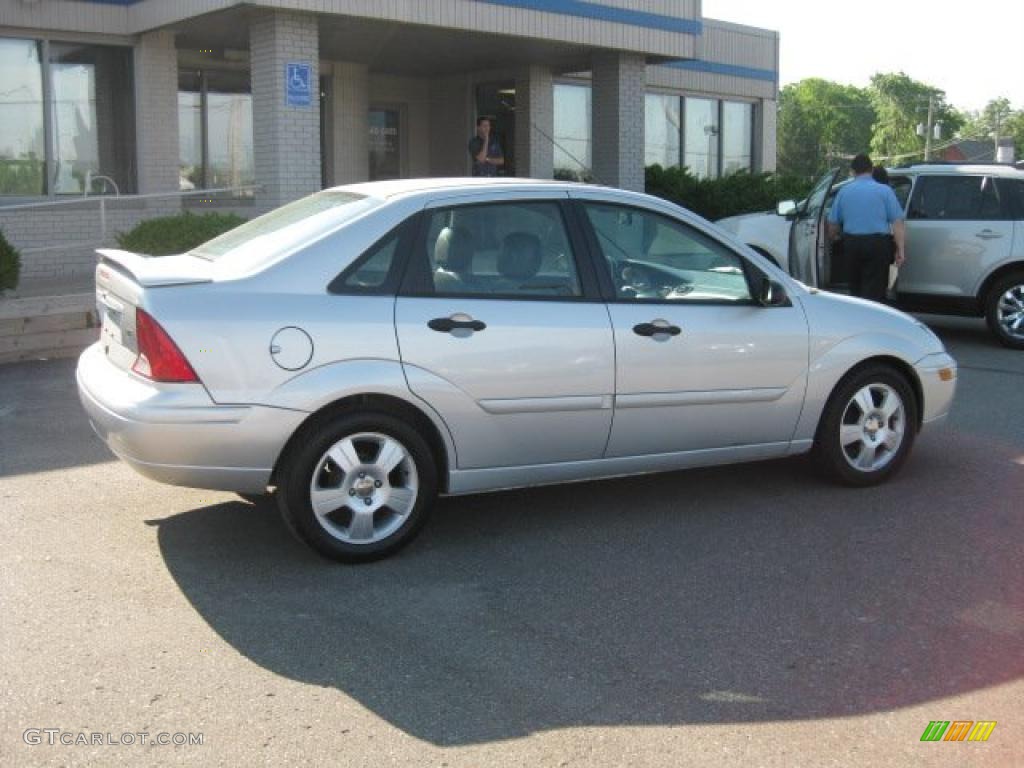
(998,113)
(820,120)
(1014,127)
(901,105)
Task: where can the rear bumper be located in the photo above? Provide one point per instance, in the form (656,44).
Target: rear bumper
(937,387)
(174,433)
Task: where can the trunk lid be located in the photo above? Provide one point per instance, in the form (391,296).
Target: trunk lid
(122,279)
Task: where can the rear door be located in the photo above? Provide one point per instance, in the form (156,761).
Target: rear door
(958,228)
(807,237)
(503,333)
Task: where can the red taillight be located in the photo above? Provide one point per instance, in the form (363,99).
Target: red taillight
(159,357)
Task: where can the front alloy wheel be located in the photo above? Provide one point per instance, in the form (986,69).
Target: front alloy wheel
(868,427)
(874,425)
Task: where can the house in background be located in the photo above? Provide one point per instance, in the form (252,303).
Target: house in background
(978,151)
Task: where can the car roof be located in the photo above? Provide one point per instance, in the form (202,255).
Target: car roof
(401,187)
(390,191)
(944,169)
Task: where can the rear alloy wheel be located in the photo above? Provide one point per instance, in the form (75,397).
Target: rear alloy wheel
(1004,310)
(868,427)
(360,488)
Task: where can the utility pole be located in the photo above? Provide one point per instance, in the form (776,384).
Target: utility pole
(998,123)
(929,129)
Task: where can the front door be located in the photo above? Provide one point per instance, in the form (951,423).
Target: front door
(498,102)
(499,335)
(807,237)
(699,364)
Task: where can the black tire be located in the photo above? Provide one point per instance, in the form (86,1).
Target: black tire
(327,533)
(1008,291)
(840,462)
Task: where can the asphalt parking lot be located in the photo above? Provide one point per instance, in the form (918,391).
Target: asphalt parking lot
(741,616)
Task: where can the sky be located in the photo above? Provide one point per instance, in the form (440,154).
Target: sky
(974,51)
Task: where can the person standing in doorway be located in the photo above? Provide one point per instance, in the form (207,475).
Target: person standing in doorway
(871,220)
(485,150)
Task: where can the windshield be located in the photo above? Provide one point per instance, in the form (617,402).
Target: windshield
(276,232)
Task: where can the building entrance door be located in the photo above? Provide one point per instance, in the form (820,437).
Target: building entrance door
(498,102)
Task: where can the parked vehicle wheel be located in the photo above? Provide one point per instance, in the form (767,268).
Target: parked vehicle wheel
(1004,310)
(868,427)
(359,488)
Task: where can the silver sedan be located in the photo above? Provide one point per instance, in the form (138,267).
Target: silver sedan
(364,349)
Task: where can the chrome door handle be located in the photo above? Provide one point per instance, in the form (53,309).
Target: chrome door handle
(655,328)
(988,234)
(448,324)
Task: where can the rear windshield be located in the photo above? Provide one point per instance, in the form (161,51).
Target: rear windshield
(267,237)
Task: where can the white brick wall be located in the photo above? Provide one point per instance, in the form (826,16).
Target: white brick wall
(535,123)
(618,120)
(156,112)
(350,103)
(451,126)
(286,140)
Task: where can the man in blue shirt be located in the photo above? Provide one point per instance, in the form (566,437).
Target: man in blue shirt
(871,219)
(485,150)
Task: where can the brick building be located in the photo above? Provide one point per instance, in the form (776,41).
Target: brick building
(278,98)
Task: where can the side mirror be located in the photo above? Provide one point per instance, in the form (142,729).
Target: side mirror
(771,294)
(786,208)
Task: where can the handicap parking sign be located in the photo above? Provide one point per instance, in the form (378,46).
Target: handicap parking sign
(297,86)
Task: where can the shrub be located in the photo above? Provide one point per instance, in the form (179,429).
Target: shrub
(728,196)
(10,264)
(176,234)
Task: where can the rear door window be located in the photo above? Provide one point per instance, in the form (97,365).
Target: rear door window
(958,198)
(516,249)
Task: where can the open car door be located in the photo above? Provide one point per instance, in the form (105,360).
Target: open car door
(807,235)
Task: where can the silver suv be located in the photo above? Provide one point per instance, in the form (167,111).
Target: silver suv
(965,242)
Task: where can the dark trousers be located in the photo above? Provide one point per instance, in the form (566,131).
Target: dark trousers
(868,258)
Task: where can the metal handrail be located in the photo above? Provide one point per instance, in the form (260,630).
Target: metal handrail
(147,196)
(102,200)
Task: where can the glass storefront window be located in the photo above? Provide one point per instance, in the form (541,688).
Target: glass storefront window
(215,130)
(701,137)
(230,158)
(662,130)
(83,140)
(737,137)
(572,131)
(190,131)
(22,137)
(93,119)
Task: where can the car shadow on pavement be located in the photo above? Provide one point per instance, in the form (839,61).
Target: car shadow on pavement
(745,594)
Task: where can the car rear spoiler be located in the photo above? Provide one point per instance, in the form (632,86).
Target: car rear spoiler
(157,271)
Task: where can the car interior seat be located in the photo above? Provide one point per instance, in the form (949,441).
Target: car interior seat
(453,254)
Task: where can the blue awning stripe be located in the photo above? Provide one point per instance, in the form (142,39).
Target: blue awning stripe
(733,70)
(599,12)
